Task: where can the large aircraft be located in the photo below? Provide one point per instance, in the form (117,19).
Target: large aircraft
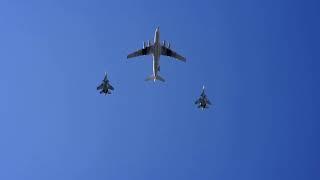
(156,49)
(105,86)
(203,102)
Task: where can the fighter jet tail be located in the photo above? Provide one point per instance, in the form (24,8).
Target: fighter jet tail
(154,78)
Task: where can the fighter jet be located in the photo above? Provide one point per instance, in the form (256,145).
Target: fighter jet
(105,86)
(156,49)
(203,102)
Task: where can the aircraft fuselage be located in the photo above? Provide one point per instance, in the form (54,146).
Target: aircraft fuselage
(156,53)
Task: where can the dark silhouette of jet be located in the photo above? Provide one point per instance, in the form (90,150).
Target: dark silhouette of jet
(105,87)
(203,101)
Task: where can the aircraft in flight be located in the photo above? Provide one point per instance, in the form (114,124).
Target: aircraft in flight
(203,102)
(105,86)
(156,49)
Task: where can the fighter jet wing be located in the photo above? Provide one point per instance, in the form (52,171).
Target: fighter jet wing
(208,102)
(141,52)
(110,87)
(168,52)
(197,101)
(100,87)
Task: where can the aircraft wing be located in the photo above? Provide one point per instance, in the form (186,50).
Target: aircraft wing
(110,87)
(141,52)
(208,102)
(168,52)
(100,87)
(197,101)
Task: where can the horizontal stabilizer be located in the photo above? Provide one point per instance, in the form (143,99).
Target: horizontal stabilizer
(154,78)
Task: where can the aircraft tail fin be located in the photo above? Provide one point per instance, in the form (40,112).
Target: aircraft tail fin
(154,78)
(160,78)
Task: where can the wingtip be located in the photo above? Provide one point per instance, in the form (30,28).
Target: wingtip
(184,59)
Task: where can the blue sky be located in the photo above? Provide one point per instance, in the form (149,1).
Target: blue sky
(258,59)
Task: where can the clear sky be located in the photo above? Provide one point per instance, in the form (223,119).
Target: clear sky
(259,61)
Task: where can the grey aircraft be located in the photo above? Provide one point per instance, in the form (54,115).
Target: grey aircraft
(156,49)
(203,101)
(105,87)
